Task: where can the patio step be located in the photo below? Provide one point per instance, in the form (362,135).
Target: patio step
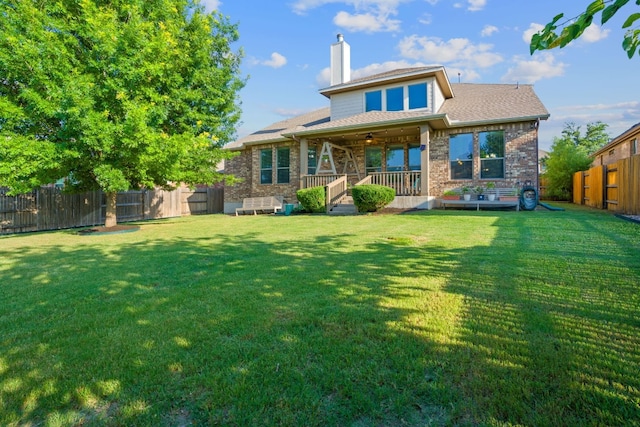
(346,207)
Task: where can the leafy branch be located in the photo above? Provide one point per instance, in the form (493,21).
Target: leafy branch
(571,29)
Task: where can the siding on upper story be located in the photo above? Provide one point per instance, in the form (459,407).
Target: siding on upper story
(349,104)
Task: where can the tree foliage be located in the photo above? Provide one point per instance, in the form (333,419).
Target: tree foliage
(572,153)
(571,29)
(113,94)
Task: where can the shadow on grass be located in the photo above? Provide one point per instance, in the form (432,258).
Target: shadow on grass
(215,330)
(248,330)
(551,334)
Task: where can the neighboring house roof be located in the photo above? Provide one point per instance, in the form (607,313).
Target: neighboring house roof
(618,139)
(472,104)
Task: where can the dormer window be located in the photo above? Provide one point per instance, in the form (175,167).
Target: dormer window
(395,99)
(417,96)
(373,101)
(399,98)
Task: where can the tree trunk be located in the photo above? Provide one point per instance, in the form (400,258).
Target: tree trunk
(111,219)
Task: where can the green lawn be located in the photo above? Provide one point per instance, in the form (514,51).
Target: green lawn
(430,318)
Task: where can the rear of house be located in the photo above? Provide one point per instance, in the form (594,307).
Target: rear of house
(411,129)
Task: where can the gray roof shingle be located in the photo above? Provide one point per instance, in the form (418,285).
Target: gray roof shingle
(472,104)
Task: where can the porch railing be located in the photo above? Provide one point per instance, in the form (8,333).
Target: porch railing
(405,183)
(319,180)
(335,192)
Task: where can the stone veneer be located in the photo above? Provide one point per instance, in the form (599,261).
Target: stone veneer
(521,163)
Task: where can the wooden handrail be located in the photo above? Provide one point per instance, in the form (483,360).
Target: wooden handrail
(335,191)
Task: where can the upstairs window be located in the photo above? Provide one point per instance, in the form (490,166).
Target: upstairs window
(418,96)
(266,166)
(282,156)
(491,154)
(373,101)
(395,99)
(461,156)
(634,146)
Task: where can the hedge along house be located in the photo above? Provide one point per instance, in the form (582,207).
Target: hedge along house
(411,129)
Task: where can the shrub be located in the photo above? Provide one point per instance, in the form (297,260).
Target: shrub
(312,199)
(371,197)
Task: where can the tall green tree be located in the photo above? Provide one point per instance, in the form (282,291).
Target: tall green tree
(572,28)
(571,153)
(115,95)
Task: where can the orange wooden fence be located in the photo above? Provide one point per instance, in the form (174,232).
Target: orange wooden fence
(615,187)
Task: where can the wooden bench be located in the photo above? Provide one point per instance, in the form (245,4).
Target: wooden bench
(505,198)
(261,204)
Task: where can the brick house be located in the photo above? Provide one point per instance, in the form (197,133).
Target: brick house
(411,129)
(621,147)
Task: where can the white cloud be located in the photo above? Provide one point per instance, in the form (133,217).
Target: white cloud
(476,5)
(530,71)
(367,15)
(211,5)
(529,32)
(594,33)
(488,30)
(425,19)
(459,52)
(277,60)
(365,22)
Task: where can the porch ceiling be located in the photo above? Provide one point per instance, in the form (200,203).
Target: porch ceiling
(380,135)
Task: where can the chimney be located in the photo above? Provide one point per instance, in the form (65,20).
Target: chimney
(340,62)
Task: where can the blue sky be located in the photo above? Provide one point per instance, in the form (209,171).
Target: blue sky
(286,46)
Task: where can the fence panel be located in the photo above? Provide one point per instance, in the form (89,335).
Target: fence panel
(615,187)
(48,208)
(611,194)
(594,187)
(578,187)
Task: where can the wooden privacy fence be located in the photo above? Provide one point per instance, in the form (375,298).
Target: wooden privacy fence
(49,208)
(615,187)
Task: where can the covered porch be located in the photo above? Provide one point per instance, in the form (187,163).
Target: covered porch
(405,183)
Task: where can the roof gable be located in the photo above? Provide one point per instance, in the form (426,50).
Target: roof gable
(398,75)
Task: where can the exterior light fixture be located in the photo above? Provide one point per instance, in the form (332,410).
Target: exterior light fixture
(368,138)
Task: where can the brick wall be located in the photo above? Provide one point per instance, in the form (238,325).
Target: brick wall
(521,157)
(247,166)
(521,163)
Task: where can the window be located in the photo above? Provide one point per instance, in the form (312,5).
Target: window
(282,156)
(414,157)
(491,154)
(373,101)
(395,99)
(266,166)
(634,146)
(395,158)
(417,96)
(461,155)
(373,159)
(312,161)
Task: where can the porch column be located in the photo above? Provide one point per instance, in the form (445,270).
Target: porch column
(304,161)
(424,159)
